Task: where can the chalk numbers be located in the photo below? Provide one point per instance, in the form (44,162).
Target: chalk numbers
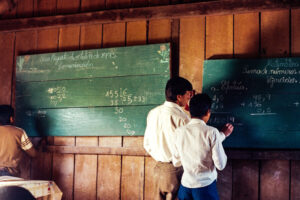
(217,102)
(123,97)
(56,95)
(122,119)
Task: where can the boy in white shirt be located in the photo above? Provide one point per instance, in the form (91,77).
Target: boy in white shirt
(199,149)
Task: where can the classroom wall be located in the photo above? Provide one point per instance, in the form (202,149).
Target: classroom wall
(193,39)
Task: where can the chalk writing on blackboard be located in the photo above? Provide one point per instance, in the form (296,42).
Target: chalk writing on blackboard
(57,94)
(90,92)
(122,97)
(119,111)
(259,96)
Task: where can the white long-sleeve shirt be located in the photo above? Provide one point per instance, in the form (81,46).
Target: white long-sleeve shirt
(199,149)
(159,134)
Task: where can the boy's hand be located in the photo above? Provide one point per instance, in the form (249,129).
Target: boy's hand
(227,129)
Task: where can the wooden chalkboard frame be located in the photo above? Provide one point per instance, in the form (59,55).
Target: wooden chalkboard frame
(96,92)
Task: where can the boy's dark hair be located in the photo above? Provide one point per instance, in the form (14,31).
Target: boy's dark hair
(177,86)
(6,111)
(199,105)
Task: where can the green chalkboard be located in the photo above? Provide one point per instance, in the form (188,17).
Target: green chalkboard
(261,97)
(90,92)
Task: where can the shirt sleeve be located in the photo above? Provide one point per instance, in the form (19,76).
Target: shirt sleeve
(218,154)
(175,155)
(147,145)
(25,142)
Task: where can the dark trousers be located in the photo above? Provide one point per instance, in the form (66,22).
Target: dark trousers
(167,180)
(209,192)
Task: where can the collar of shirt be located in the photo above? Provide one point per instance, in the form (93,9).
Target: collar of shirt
(173,105)
(197,121)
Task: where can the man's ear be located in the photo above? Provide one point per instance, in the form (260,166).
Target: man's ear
(178,98)
(11,119)
(208,112)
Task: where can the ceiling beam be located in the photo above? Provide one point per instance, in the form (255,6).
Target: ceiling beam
(220,7)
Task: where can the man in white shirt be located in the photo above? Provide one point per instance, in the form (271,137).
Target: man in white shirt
(159,136)
(199,149)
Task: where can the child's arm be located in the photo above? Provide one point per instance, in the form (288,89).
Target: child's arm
(218,154)
(227,129)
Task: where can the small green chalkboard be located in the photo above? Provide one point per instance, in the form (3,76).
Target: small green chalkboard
(90,92)
(261,97)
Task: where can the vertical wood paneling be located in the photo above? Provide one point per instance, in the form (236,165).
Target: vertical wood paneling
(9,14)
(175,38)
(192,37)
(139,3)
(45,7)
(6,67)
(295,180)
(25,8)
(275,33)
(219,36)
(224,182)
(149,183)
(117,4)
(41,166)
(158,2)
(63,172)
(113,35)
(126,181)
(245,179)
(132,178)
(109,173)
(274,180)
(219,44)
(47,40)
(91,37)
(295,30)
(159,31)
(246,44)
(136,33)
(92,5)
(85,179)
(68,6)
(246,35)
(295,41)
(275,42)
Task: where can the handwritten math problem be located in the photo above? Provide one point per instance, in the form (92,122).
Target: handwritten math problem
(95,92)
(260,97)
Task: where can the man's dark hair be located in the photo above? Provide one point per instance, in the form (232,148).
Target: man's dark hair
(199,105)
(177,86)
(6,111)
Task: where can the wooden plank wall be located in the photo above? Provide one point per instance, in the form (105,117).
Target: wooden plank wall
(90,177)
